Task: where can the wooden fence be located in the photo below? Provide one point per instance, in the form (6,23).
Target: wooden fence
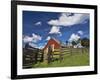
(32,56)
(58,54)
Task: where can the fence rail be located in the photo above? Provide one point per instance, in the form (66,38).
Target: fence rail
(31,57)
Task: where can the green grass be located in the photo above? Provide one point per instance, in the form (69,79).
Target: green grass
(76,59)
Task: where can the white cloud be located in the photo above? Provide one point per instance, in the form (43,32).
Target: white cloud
(74,37)
(80,32)
(55,30)
(34,38)
(27,39)
(48,38)
(38,23)
(33,45)
(40,47)
(66,19)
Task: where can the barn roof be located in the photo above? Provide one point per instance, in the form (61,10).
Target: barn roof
(56,40)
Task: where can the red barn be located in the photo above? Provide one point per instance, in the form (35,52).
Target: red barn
(54,43)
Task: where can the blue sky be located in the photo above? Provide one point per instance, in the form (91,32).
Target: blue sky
(39,27)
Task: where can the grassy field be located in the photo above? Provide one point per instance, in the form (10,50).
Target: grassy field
(74,59)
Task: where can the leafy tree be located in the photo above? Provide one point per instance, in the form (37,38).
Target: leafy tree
(66,42)
(85,42)
(26,45)
(74,43)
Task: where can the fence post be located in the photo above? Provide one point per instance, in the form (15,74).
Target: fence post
(45,58)
(49,54)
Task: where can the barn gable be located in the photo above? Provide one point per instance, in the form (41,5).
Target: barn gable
(53,42)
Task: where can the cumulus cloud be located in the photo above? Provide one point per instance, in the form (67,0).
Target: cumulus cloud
(67,19)
(34,38)
(74,37)
(55,30)
(48,38)
(27,39)
(32,44)
(38,23)
(80,32)
(40,47)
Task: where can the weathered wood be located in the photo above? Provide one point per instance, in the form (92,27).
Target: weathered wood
(58,54)
(32,56)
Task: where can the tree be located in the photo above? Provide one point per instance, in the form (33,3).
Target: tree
(85,42)
(66,42)
(26,45)
(74,43)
